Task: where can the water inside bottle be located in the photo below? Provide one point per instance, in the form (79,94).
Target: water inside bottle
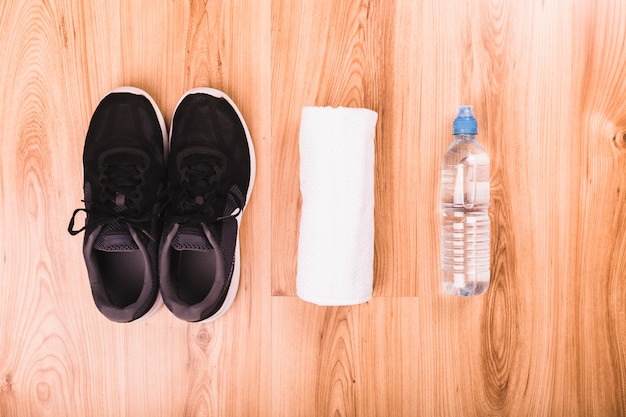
(465,257)
(465,251)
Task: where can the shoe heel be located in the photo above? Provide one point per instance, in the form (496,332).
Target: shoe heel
(158,303)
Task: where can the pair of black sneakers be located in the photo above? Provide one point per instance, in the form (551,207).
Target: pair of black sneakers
(163,212)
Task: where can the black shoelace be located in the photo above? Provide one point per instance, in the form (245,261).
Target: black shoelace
(120,196)
(102,218)
(200,184)
(193,202)
(122,175)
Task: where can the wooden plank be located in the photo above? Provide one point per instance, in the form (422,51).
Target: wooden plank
(598,311)
(342,360)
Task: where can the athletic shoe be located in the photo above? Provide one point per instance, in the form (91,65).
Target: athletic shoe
(124,174)
(211,171)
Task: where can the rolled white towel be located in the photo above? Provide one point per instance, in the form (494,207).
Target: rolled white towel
(336,241)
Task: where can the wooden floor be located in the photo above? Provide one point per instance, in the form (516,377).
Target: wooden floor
(548,83)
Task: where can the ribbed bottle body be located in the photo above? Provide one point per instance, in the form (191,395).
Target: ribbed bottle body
(465,225)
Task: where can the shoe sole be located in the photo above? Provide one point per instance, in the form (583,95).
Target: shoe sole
(234,283)
(158,302)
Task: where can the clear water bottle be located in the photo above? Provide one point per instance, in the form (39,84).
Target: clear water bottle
(465,249)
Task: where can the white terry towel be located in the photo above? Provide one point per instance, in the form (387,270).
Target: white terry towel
(336,243)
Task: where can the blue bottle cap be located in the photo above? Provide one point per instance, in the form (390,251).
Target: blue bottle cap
(465,124)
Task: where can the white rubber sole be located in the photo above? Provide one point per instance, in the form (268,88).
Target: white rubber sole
(158,303)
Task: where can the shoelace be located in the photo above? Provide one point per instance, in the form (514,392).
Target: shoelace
(201,174)
(122,175)
(200,185)
(200,180)
(203,218)
(103,218)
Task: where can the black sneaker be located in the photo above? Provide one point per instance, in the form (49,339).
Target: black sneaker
(124,169)
(211,170)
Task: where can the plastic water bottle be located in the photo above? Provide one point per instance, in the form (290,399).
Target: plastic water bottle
(465,249)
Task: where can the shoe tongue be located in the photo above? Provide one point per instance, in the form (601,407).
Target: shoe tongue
(191,237)
(115,237)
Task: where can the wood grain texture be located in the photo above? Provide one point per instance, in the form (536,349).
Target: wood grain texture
(548,83)
(346,358)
